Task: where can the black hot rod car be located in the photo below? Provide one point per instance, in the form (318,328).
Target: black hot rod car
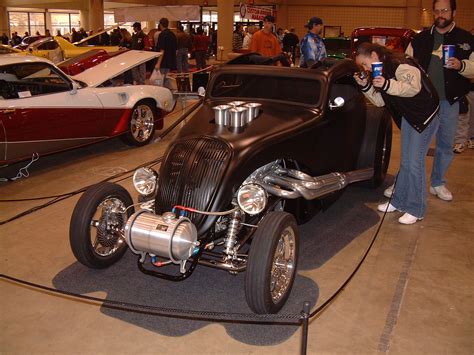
(267,149)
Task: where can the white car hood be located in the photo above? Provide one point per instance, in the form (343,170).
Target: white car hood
(114,66)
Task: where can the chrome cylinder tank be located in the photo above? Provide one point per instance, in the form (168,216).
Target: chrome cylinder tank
(161,235)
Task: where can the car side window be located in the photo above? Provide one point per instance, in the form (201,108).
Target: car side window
(30,79)
(279,88)
(48,46)
(344,87)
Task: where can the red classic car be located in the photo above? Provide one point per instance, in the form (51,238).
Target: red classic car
(394,38)
(43,110)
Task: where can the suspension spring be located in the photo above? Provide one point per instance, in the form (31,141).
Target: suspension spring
(232,231)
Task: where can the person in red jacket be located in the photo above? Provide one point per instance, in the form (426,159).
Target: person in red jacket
(201,44)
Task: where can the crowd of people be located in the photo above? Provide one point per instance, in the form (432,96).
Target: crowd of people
(286,40)
(16,39)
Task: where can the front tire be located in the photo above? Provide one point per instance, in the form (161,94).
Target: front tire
(141,126)
(272,261)
(97,225)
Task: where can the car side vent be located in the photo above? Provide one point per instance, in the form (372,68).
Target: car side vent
(191,174)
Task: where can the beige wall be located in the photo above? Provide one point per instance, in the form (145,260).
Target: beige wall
(347,17)
(393,13)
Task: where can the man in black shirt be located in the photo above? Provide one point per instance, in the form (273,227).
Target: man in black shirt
(166,44)
(138,43)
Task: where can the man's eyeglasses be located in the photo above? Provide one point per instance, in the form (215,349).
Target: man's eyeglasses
(441,11)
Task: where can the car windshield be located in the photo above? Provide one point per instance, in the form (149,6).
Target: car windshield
(280,88)
(30,79)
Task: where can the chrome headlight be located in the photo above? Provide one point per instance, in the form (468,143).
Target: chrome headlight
(145,181)
(252,198)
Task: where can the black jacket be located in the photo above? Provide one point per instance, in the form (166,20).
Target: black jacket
(418,110)
(138,41)
(456,85)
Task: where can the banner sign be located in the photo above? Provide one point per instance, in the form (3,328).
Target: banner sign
(252,12)
(154,13)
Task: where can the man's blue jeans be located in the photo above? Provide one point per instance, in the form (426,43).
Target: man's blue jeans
(166,82)
(182,60)
(410,189)
(448,120)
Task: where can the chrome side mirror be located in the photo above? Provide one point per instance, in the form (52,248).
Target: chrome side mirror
(201,91)
(74,87)
(337,103)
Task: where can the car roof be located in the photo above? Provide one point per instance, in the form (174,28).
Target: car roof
(6,59)
(381,31)
(40,41)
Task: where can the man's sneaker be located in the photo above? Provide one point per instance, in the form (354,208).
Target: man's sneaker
(388,207)
(459,148)
(470,143)
(389,191)
(408,219)
(442,192)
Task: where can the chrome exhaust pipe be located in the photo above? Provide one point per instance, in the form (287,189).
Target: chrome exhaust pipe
(291,184)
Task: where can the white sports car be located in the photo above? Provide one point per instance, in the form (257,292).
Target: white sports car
(43,110)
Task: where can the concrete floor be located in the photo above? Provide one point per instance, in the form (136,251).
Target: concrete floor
(413,294)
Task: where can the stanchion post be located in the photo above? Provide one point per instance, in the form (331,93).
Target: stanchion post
(305,314)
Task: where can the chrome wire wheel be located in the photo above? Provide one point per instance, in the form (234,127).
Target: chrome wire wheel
(96,230)
(142,123)
(107,227)
(272,262)
(283,264)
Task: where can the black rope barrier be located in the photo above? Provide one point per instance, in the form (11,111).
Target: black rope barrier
(64,196)
(319,309)
(247,318)
(159,138)
(301,319)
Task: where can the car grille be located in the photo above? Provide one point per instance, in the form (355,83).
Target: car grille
(191,175)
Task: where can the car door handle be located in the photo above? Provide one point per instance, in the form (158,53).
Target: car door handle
(9,110)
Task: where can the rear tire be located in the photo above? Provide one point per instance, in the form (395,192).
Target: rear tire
(272,262)
(377,144)
(141,126)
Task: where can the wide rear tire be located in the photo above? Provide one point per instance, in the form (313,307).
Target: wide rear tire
(377,144)
(272,262)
